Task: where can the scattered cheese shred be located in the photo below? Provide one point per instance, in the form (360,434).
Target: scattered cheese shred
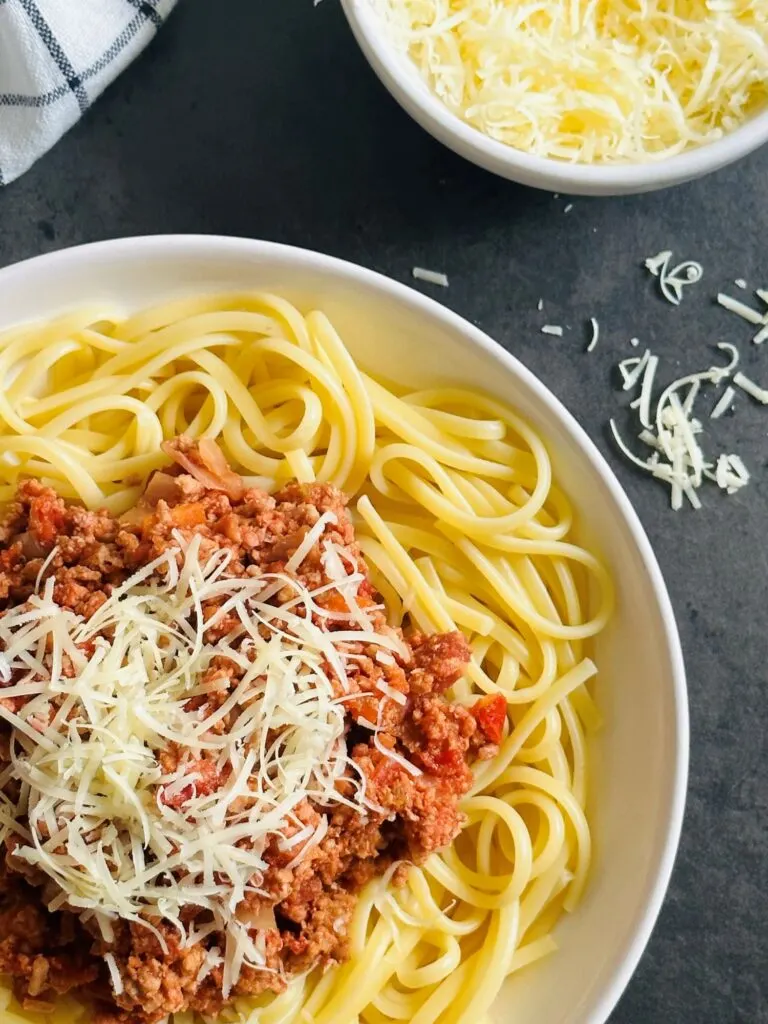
(123,836)
(431,276)
(726,346)
(554,329)
(753,390)
(730,474)
(656,264)
(589,82)
(672,432)
(672,282)
(595,334)
(741,309)
(646,390)
(631,369)
(723,403)
(669,428)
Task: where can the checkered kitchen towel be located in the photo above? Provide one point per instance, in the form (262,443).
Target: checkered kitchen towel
(56,56)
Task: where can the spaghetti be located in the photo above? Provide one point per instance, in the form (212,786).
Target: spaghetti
(462,528)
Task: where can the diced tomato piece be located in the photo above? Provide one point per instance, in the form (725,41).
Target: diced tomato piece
(443,760)
(46,519)
(184,517)
(490,714)
(188,515)
(333,601)
(451,759)
(229,527)
(365,707)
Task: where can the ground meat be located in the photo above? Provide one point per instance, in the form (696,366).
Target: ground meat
(438,735)
(438,661)
(323,916)
(160,984)
(46,954)
(301,911)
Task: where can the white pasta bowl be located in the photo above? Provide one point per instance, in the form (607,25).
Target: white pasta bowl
(640,758)
(403,81)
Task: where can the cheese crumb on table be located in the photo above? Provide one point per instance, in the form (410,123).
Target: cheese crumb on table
(430,276)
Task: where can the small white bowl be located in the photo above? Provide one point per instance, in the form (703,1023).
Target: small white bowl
(639,760)
(402,79)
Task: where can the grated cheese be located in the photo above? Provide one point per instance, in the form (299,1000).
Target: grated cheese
(753,390)
(431,276)
(646,388)
(588,82)
(741,309)
(595,334)
(730,474)
(211,961)
(312,537)
(631,369)
(117,834)
(723,404)
(398,758)
(392,693)
(114,973)
(658,262)
(669,428)
(726,346)
(672,432)
(554,329)
(672,282)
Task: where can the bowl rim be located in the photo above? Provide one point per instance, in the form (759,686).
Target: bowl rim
(543,172)
(137,248)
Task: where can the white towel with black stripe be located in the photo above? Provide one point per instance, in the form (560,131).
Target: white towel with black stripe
(56,56)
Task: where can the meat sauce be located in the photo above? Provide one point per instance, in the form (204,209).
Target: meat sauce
(303,911)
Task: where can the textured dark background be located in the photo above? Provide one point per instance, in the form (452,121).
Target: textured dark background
(261,118)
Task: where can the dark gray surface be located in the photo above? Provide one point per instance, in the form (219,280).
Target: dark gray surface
(260,118)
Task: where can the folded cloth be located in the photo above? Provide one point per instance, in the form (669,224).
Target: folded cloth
(56,56)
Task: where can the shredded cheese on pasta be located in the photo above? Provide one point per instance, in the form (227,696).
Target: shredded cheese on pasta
(118,836)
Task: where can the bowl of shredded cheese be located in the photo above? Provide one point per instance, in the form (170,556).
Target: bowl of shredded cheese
(591,97)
